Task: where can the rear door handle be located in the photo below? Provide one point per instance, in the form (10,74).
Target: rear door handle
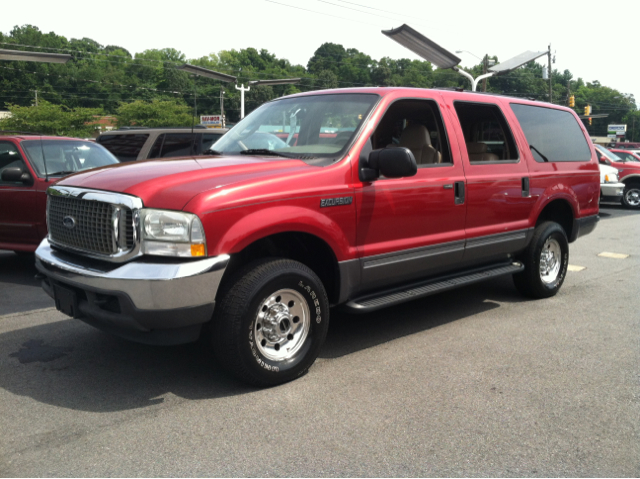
(459,192)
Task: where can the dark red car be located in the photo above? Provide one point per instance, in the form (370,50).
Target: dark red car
(628,165)
(28,166)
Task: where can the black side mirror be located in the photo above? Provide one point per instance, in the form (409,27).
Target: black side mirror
(15,174)
(389,162)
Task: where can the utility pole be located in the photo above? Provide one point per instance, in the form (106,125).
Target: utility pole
(484,71)
(222,105)
(36,97)
(242,90)
(550,77)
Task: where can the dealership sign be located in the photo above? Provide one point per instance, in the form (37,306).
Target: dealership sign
(616,130)
(212,121)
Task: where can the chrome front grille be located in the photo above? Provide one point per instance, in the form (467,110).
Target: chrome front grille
(90,225)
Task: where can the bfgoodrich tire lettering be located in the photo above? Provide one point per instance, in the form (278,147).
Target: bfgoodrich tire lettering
(270,322)
(545,260)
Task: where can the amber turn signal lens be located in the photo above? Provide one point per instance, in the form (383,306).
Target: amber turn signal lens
(197,250)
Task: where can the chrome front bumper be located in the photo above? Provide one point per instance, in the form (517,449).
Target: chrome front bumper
(148,293)
(612,191)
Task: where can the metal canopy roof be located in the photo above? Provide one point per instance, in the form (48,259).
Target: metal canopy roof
(34,56)
(517,61)
(284,81)
(206,73)
(422,46)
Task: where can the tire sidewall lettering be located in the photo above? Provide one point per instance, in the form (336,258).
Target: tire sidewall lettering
(304,287)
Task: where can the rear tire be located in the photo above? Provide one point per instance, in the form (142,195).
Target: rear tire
(270,322)
(631,196)
(545,261)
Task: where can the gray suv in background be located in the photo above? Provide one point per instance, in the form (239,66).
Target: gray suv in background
(132,144)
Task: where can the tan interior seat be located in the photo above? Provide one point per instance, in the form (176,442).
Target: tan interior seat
(416,138)
(478,152)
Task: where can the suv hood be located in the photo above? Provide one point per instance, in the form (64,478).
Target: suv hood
(171,183)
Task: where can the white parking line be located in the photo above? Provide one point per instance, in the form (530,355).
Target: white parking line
(606,254)
(573,267)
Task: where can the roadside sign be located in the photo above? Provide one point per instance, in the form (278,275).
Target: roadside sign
(616,130)
(212,121)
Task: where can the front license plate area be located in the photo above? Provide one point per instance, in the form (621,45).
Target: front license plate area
(66,301)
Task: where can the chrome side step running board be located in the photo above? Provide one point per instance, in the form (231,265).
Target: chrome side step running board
(383,299)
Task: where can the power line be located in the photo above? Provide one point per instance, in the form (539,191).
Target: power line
(322,13)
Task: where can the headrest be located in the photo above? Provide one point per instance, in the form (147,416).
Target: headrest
(476,148)
(415,136)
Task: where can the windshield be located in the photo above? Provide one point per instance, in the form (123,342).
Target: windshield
(66,156)
(608,154)
(627,156)
(309,127)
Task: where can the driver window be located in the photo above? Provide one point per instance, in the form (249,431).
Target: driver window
(10,158)
(416,125)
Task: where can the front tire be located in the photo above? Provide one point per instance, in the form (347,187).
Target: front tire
(270,322)
(545,260)
(631,196)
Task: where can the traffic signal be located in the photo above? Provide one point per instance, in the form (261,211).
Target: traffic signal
(590,120)
(587,110)
(572,101)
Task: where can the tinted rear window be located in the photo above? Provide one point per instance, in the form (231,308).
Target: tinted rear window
(553,135)
(123,147)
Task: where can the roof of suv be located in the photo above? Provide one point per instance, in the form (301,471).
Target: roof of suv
(134,130)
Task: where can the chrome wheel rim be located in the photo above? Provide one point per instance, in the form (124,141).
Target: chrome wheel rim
(550,261)
(632,196)
(282,324)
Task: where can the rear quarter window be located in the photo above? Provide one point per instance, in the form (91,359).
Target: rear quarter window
(553,135)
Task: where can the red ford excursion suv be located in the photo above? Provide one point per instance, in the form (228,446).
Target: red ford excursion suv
(364,198)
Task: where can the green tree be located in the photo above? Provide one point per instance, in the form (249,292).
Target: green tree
(157,113)
(51,119)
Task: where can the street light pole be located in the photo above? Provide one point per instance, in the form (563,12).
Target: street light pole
(550,77)
(242,90)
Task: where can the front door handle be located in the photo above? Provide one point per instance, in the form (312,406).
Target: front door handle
(459,192)
(525,187)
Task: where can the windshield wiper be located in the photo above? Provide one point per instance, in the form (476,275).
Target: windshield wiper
(539,153)
(62,173)
(263,151)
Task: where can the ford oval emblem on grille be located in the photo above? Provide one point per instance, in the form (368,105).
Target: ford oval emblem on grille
(69,221)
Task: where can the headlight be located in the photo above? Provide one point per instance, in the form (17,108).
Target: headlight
(611,178)
(172,233)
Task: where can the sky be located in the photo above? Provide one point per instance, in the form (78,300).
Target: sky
(594,40)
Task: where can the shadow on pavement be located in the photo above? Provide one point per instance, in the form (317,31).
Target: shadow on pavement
(69,364)
(19,290)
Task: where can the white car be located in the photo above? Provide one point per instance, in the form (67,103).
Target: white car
(611,189)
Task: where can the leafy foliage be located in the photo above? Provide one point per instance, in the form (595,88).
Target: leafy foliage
(110,78)
(154,114)
(51,119)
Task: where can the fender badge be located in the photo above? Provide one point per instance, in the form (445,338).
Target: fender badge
(345,200)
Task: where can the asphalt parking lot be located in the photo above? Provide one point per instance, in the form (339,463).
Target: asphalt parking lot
(473,382)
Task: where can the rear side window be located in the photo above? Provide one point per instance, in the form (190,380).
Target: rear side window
(208,139)
(486,133)
(123,147)
(553,135)
(173,144)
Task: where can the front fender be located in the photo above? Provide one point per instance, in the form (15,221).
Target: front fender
(282,219)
